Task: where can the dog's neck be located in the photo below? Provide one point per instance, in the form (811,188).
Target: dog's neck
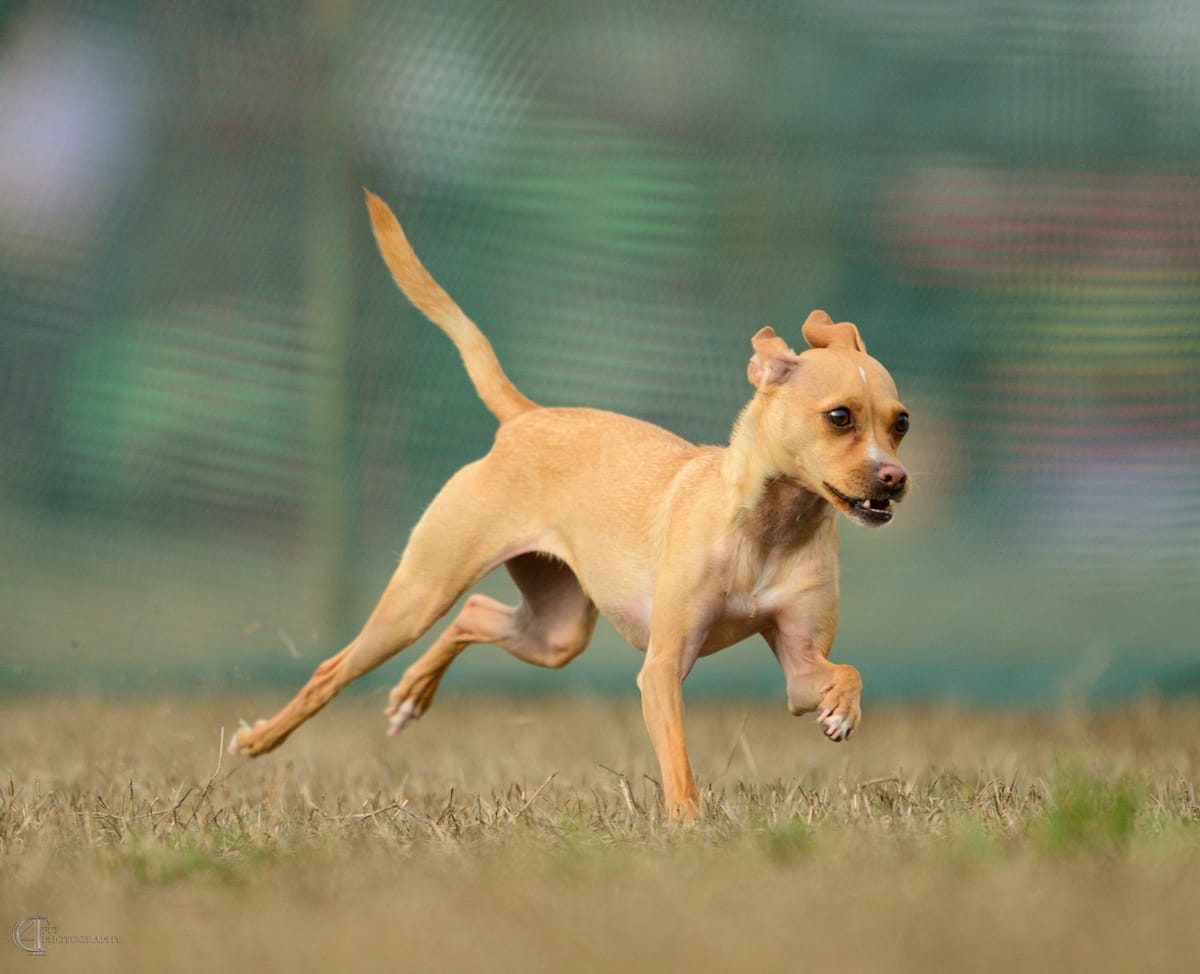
(773,508)
(786,516)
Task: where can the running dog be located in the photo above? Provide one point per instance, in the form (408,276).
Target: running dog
(686,549)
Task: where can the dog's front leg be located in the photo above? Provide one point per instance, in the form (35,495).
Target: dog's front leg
(801,640)
(661,684)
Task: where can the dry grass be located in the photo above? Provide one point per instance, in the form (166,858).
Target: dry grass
(526,835)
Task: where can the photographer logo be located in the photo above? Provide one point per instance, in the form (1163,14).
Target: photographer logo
(34,934)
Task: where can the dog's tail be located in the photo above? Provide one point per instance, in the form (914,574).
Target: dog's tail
(493,386)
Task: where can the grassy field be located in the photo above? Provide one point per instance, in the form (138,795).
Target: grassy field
(526,835)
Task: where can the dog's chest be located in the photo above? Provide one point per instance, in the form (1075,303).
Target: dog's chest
(745,613)
(759,588)
(764,571)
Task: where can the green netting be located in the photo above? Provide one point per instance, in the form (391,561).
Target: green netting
(218,419)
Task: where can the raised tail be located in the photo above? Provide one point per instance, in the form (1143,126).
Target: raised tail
(493,386)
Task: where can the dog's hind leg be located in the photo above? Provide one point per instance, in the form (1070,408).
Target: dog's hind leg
(550,627)
(456,542)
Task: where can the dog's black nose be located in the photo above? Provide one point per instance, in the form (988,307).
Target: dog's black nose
(891,477)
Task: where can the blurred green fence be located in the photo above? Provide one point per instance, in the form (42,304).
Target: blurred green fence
(218,419)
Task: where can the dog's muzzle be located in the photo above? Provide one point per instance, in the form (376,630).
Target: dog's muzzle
(873,511)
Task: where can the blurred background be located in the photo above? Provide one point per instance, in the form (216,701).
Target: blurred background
(219,420)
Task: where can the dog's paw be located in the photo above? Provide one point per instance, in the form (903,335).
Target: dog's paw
(400,715)
(411,697)
(840,711)
(242,744)
(837,726)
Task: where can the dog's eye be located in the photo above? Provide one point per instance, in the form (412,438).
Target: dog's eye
(841,417)
(900,426)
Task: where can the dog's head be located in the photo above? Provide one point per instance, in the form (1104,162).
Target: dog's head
(830,418)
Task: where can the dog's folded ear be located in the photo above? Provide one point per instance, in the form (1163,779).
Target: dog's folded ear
(772,361)
(821,332)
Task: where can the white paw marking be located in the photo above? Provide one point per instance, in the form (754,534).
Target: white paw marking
(233,747)
(837,727)
(404,714)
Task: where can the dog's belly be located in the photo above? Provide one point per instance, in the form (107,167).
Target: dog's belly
(729,631)
(631,619)
(624,600)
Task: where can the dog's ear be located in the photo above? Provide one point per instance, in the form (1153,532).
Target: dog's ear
(772,361)
(821,332)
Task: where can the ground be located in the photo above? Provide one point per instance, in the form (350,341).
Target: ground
(526,834)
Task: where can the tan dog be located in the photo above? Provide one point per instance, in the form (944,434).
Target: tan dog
(686,549)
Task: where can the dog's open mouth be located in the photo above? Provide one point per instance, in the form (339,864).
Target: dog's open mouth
(864,510)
